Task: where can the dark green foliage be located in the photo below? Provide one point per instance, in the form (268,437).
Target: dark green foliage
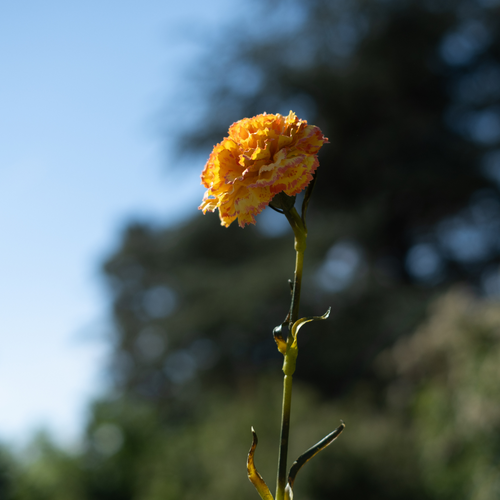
(449,370)
(405,205)
(400,102)
(383,82)
(8,470)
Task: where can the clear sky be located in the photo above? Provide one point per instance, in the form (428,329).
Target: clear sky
(82,87)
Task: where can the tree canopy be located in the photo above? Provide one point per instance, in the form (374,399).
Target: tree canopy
(406,205)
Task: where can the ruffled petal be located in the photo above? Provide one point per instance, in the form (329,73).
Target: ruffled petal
(261,157)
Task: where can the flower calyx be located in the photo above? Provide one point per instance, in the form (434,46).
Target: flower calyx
(282,202)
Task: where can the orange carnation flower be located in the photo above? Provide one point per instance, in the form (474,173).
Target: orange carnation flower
(261,157)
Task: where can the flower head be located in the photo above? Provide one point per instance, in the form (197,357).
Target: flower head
(261,157)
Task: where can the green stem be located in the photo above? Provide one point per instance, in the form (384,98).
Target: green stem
(289,363)
(300,232)
(297,283)
(285,429)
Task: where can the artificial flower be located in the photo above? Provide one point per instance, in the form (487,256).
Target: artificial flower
(261,157)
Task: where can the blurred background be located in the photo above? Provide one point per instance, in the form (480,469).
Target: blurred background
(136,334)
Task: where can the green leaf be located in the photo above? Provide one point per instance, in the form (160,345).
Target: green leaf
(253,475)
(301,322)
(311,452)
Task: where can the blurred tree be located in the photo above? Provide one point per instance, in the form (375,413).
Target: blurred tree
(449,372)
(401,201)
(8,470)
(406,203)
(406,199)
(408,94)
(46,472)
(130,453)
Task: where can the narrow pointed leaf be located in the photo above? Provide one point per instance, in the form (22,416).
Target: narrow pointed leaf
(311,452)
(301,322)
(253,475)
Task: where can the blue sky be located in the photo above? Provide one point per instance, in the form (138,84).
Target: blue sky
(82,89)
